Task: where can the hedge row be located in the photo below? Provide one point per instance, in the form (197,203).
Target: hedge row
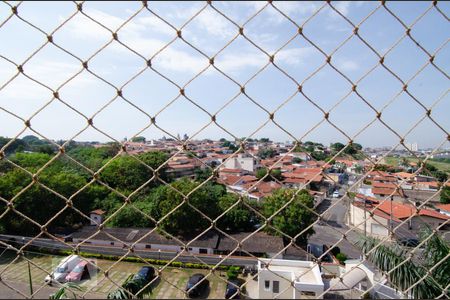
(175,264)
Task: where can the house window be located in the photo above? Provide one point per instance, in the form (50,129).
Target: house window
(267,285)
(190,249)
(112,243)
(148,246)
(203,251)
(306,293)
(276,286)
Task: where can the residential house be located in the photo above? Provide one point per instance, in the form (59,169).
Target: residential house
(96,216)
(210,242)
(375,217)
(242,161)
(288,279)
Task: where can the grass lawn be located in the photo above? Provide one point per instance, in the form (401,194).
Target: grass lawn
(173,282)
(442,166)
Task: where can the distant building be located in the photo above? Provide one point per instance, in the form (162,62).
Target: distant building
(96,216)
(412,146)
(242,161)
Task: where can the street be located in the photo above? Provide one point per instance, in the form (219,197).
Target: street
(333,227)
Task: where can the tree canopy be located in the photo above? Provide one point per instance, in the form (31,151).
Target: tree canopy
(294,218)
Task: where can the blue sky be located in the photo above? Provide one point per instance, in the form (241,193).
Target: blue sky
(210,32)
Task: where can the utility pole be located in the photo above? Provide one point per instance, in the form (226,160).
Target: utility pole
(390,217)
(29,271)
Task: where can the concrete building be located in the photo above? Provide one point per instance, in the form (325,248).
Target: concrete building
(242,161)
(275,277)
(96,216)
(412,146)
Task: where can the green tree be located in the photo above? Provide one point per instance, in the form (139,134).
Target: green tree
(14,146)
(319,156)
(294,218)
(130,216)
(264,153)
(127,173)
(239,218)
(274,174)
(138,139)
(296,160)
(445,195)
(202,174)
(336,147)
(185,220)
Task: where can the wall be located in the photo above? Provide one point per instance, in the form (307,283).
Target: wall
(285,285)
(356,216)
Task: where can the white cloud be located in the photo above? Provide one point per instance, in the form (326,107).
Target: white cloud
(215,24)
(136,35)
(302,8)
(236,62)
(343,7)
(348,65)
(294,56)
(180,61)
(153,23)
(48,72)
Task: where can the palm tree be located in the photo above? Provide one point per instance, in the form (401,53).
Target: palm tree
(132,286)
(433,259)
(62,292)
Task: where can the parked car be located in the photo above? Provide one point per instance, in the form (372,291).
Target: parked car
(232,289)
(194,289)
(146,273)
(79,273)
(317,251)
(62,270)
(409,242)
(336,194)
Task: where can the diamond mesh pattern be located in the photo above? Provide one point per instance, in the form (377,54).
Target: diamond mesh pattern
(149,63)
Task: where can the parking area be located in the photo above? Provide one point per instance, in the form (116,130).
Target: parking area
(170,286)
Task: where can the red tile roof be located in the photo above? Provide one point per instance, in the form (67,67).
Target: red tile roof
(98,212)
(377,184)
(403,211)
(445,207)
(387,191)
(226,170)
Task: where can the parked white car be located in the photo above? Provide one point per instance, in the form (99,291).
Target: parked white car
(336,194)
(63,269)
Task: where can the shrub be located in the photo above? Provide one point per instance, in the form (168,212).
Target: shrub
(233,272)
(335,250)
(341,257)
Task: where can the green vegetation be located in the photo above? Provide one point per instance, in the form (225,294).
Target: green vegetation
(432,266)
(132,288)
(445,195)
(296,160)
(274,174)
(440,164)
(135,188)
(62,292)
(233,272)
(295,218)
(341,257)
(265,153)
(230,145)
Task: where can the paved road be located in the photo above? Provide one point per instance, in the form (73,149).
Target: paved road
(331,230)
(163,255)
